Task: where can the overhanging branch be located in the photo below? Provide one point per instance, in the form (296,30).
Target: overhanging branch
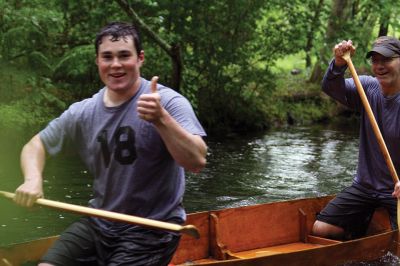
(172,50)
(145,29)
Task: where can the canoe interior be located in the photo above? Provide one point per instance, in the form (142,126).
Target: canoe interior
(264,230)
(265,234)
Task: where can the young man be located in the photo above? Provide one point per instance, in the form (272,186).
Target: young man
(348,215)
(136,137)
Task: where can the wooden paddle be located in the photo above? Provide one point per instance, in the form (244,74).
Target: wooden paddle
(375,126)
(6,262)
(187,229)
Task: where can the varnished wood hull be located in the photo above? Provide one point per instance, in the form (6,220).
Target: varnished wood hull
(360,250)
(265,234)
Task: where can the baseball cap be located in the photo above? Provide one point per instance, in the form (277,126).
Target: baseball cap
(386,46)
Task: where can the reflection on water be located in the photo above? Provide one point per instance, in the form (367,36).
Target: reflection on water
(280,164)
(388,260)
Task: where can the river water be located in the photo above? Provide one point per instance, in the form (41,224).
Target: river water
(279,164)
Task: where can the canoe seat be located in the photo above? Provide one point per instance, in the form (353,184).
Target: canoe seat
(310,243)
(275,250)
(253,231)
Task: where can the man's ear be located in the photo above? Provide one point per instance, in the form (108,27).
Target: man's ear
(141,56)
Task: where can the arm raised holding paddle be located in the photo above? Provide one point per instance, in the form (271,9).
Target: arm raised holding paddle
(377,99)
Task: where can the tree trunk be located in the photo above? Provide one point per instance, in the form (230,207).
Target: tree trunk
(341,11)
(383,25)
(310,34)
(172,50)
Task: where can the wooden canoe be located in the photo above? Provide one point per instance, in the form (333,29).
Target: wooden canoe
(265,234)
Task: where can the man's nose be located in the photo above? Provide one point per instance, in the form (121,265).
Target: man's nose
(115,62)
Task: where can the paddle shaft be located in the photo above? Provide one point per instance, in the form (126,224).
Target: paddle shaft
(187,229)
(371,117)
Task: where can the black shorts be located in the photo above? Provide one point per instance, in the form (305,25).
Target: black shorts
(84,244)
(352,210)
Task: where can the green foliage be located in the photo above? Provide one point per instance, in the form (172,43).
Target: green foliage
(230,51)
(55,38)
(45,95)
(354,20)
(40,63)
(36,108)
(77,71)
(83,19)
(28,27)
(297,101)
(222,75)
(13,81)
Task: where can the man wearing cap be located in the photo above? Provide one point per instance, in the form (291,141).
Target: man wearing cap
(348,215)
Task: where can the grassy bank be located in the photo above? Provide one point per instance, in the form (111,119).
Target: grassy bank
(297,101)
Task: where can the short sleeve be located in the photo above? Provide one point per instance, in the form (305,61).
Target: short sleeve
(59,131)
(181,110)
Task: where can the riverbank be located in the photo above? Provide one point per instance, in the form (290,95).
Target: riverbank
(29,101)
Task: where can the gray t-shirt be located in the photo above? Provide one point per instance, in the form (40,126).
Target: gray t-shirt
(372,171)
(133,171)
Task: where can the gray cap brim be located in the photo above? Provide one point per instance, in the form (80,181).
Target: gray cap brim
(381,50)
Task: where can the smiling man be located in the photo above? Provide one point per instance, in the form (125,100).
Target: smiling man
(348,215)
(136,137)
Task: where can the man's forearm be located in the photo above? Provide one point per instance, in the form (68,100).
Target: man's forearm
(33,158)
(32,164)
(187,149)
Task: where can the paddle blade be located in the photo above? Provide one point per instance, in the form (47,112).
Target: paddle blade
(191,230)
(6,262)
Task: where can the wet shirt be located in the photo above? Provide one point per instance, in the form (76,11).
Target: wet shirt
(372,170)
(133,171)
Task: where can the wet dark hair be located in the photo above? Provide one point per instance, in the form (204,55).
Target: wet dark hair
(118,30)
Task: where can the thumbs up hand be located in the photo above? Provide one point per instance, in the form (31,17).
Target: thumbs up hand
(148,106)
